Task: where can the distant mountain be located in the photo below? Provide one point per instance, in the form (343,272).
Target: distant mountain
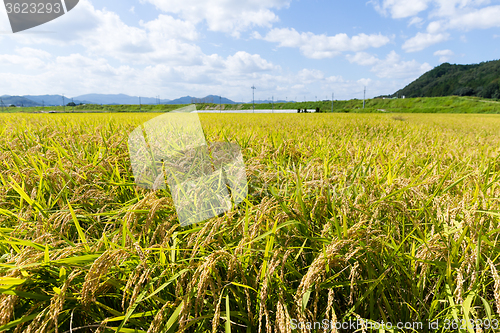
(126,99)
(53,99)
(482,80)
(106,99)
(207,99)
(17,101)
(119,99)
(267,101)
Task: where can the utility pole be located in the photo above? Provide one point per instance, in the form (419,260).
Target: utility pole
(332,102)
(220,103)
(364,96)
(273,104)
(43,105)
(73,104)
(64,107)
(140,105)
(253,98)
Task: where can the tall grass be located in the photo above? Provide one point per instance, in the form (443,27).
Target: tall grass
(349,217)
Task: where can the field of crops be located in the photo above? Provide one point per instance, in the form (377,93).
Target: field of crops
(382,217)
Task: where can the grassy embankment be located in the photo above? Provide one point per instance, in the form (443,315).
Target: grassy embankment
(451,104)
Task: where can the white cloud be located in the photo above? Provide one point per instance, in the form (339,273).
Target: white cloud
(226,16)
(450,14)
(323,46)
(156,54)
(417,21)
(308,76)
(48,74)
(435,27)
(167,27)
(28,58)
(392,67)
(103,33)
(444,55)
(424,40)
(364,82)
(401,8)
(454,8)
(243,62)
(438,8)
(230,76)
(362,58)
(484,18)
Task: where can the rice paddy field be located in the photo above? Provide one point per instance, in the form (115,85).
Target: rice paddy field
(374,218)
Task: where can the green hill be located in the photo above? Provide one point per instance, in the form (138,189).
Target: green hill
(481,80)
(6,101)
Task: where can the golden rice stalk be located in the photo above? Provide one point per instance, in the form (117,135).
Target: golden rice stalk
(159,319)
(99,268)
(7,306)
(282,318)
(496,288)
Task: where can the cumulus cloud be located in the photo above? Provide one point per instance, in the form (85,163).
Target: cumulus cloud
(29,58)
(484,18)
(424,40)
(243,62)
(323,46)
(153,55)
(363,58)
(398,9)
(103,33)
(454,14)
(444,55)
(83,74)
(167,27)
(392,67)
(231,17)
(416,21)
(401,8)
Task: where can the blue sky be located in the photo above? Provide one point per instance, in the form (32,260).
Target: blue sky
(288,49)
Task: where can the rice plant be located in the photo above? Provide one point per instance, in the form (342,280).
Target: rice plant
(349,217)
